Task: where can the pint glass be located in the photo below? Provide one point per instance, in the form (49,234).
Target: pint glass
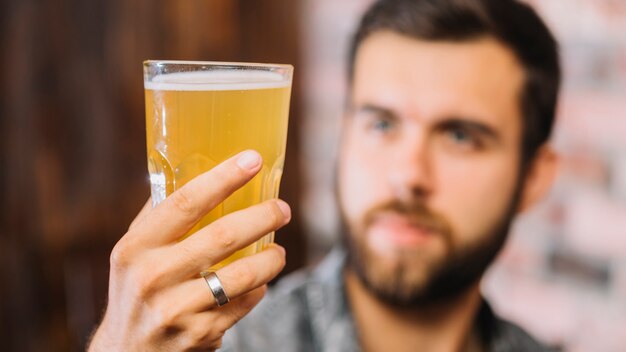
(200,113)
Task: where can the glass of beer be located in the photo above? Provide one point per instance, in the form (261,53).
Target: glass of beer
(198,114)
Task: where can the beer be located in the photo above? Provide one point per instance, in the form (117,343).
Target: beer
(195,120)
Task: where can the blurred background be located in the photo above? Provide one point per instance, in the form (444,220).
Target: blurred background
(73,166)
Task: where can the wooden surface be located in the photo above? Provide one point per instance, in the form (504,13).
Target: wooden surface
(72,162)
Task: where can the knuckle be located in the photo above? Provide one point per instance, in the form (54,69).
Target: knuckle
(182,200)
(186,256)
(246,276)
(166,328)
(120,255)
(222,236)
(229,176)
(144,288)
(224,172)
(148,282)
(200,336)
(164,319)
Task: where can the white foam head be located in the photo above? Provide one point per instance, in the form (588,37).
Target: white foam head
(217,80)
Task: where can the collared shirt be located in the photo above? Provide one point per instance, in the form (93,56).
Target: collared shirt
(309,311)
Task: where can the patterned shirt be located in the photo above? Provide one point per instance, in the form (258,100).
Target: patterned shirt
(309,311)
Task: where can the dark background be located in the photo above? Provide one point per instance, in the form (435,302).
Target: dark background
(73,168)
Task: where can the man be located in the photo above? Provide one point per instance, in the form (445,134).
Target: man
(451,104)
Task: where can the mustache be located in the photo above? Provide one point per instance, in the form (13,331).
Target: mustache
(415,211)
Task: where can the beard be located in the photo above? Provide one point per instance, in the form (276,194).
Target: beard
(413,280)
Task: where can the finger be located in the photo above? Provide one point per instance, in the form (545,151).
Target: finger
(237,279)
(218,240)
(207,328)
(240,307)
(177,214)
(142,214)
(248,273)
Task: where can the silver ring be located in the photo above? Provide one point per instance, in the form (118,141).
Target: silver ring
(216,287)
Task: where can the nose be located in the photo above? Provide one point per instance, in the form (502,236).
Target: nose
(411,172)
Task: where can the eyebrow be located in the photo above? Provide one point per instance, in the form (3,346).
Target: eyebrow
(470,124)
(373,109)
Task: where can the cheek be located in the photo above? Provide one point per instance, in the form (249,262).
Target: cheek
(477,195)
(360,182)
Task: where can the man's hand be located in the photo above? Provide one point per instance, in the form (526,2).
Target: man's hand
(157,300)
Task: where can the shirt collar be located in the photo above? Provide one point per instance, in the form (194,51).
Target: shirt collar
(331,319)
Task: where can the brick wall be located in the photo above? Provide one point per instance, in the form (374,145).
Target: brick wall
(563,273)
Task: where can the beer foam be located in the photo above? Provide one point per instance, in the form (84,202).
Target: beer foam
(217,80)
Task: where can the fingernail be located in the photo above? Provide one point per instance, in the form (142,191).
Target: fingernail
(249,160)
(284,208)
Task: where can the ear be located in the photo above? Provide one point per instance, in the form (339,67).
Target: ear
(539,177)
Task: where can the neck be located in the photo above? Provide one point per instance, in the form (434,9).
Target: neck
(442,327)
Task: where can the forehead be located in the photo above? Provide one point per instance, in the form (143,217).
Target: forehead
(481,78)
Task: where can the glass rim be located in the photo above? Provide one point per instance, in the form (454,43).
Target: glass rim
(152,63)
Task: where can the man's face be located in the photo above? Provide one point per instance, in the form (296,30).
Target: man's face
(430,163)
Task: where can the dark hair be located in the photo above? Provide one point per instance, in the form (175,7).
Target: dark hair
(512,23)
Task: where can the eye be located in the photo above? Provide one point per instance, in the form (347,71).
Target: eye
(376,121)
(381,125)
(463,138)
(459,135)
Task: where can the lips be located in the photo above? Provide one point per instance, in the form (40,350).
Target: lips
(392,230)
